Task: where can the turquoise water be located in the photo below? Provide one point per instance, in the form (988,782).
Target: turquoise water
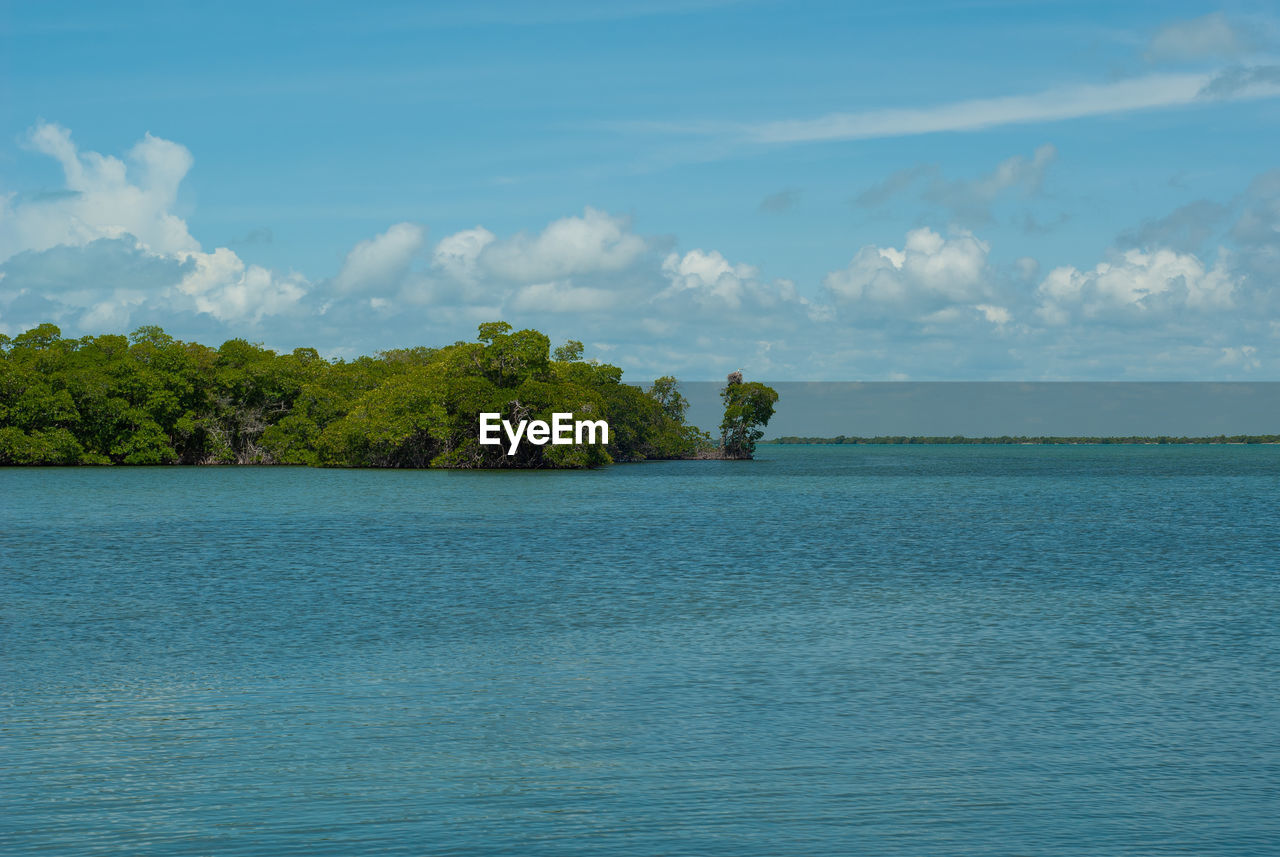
(833,650)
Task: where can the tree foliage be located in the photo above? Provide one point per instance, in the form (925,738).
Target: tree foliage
(152,399)
(748,407)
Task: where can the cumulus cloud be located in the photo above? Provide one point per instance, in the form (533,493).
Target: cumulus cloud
(103,265)
(929,272)
(594,242)
(602,265)
(709,277)
(1242,356)
(936,305)
(705,284)
(561,297)
(591,273)
(458,255)
(104,197)
(997,315)
(381,261)
(99,283)
(112,241)
(107,252)
(1134,286)
(474,267)
(223,286)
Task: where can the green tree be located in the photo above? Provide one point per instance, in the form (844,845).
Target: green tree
(151,399)
(666,392)
(569,352)
(748,407)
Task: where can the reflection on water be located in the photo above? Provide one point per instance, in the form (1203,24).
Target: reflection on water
(835,650)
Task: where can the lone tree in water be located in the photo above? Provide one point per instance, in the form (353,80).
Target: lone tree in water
(747,409)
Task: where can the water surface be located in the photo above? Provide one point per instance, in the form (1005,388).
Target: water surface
(832,650)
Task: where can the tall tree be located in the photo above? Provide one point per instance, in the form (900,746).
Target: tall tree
(748,407)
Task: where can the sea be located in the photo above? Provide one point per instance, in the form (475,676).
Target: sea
(830,650)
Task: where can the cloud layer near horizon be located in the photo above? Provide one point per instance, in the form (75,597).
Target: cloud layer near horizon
(107,253)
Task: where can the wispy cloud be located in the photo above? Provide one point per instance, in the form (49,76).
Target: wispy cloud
(969,201)
(1241,81)
(1213,35)
(1149,92)
(1144,93)
(783,200)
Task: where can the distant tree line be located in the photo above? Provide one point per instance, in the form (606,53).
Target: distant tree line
(151,399)
(1021,439)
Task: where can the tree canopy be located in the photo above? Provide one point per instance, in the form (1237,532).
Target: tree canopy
(748,406)
(152,399)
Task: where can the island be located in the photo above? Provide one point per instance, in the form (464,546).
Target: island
(151,399)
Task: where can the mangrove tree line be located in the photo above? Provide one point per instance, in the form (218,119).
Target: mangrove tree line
(151,399)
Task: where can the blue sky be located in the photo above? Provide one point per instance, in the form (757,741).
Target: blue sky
(809,191)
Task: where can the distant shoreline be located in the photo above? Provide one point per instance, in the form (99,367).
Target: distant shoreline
(1009,440)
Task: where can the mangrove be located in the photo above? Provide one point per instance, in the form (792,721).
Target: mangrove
(151,399)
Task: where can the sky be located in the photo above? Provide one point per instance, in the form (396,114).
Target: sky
(807,191)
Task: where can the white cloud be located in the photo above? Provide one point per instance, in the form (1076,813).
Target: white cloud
(458,255)
(1149,92)
(474,267)
(1073,102)
(997,315)
(605,274)
(1136,285)
(108,315)
(595,242)
(1243,356)
(224,287)
(704,284)
(561,297)
(708,277)
(938,305)
(929,271)
(613,287)
(104,197)
(381,262)
(128,205)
